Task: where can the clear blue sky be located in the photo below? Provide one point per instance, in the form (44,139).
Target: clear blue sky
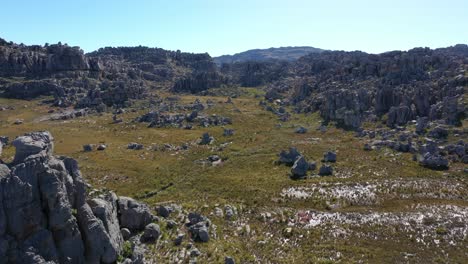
(225,27)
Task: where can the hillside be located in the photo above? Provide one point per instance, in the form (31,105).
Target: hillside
(282,53)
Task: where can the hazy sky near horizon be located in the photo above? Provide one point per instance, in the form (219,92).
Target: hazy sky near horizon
(226,27)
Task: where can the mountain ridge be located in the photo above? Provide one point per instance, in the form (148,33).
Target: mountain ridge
(289,53)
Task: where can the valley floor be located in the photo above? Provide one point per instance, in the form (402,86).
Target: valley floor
(380,206)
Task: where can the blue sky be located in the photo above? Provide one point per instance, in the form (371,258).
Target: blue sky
(226,27)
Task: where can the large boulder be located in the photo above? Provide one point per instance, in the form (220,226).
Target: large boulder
(300,168)
(134,215)
(289,157)
(434,161)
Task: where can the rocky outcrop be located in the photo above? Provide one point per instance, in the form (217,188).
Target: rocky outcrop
(46,215)
(349,88)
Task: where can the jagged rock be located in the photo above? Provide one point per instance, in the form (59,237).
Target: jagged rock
(31,144)
(438,133)
(98,244)
(151,233)
(399,116)
(164,211)
(421,125)
(134,215)
(289,157)
(198,227)
(300,168)
(105,208)
(325,170)
(329,156)
(126,234)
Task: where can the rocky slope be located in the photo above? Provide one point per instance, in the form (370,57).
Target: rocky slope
(107,77)
(397,87)
(47,216)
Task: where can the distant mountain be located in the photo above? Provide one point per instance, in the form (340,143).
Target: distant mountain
(282,53)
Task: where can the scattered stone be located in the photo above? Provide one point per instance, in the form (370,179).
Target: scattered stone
(18,122)
(229,260)
(164,210)
(301,130)
(126,234)
(367,147)
(101,147)
(228,132)
(325,170)
(438,133)
(178,240)
(134,146)
(290,157)
(134,215)
(434,161)
(329,156)
(88,147)
(206,139)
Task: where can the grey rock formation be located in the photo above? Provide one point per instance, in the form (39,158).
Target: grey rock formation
(301,130)
(88,147)
(134,146)
(300,168)
(289,157)
(434,161)
(45,216)
(206,139)
(134,215)
(325,170)
(198,227)
(329,156)
(151,233)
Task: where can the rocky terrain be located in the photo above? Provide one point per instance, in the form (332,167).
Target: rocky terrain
(336,157)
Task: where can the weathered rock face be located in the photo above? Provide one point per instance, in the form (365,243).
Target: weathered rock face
(21,60)
(45,215)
